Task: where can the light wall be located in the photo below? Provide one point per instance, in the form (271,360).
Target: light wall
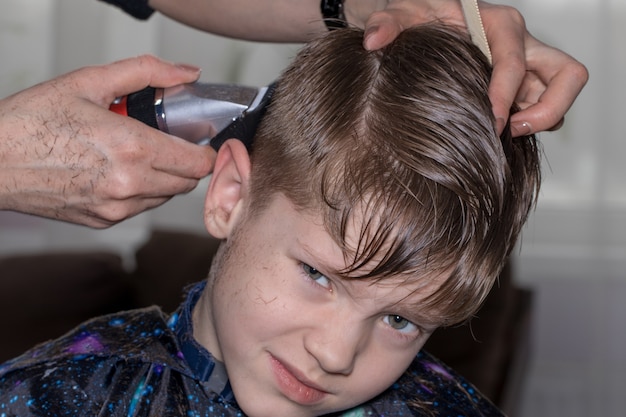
(579,229)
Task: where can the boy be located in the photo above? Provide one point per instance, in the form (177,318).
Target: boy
(377,204)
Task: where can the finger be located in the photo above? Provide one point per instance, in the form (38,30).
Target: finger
(544,114)
(168,154)
(530,91)
(134,74)
(152,71)
(556,98)
(558,125)
(145,161)
(380,30)
(509,69)
(384,26)
(162,185)
(126,182)
(178,157)
(106,215)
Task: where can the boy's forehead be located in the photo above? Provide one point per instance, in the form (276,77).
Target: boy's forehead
(345,239)
(310,228)
(355,240)
(342,256)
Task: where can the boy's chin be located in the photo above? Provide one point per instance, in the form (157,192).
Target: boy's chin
(276,409)
(280,406)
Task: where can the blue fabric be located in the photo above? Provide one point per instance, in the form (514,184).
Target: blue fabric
(209,372)
(142,363)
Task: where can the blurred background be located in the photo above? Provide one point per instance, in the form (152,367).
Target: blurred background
(573,251)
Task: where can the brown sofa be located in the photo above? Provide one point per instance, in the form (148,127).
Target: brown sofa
(44,295)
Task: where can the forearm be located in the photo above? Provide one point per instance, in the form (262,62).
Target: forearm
(262,20)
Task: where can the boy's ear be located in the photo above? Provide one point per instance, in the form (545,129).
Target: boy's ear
(228,188)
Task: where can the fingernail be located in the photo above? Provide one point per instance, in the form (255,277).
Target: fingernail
(189,68)
(521,129)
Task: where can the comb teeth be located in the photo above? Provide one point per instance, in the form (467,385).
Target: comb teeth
(475,26)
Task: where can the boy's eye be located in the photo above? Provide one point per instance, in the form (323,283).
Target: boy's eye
(316,276)
(399,323)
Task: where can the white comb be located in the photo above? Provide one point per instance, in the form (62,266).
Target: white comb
(475,26)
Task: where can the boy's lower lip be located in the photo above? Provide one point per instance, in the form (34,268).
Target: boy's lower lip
(292,387)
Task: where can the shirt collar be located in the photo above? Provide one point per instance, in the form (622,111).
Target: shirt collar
(210,372)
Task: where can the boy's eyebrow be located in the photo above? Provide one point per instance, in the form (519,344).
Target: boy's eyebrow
(421,320)
(414,306)
(319,259)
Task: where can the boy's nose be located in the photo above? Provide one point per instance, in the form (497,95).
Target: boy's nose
(336,347)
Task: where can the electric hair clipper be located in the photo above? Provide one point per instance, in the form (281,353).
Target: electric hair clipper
(201,113)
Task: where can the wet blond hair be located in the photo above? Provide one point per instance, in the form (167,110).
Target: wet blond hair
(404,138)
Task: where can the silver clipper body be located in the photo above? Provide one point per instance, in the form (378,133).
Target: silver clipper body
(201,113)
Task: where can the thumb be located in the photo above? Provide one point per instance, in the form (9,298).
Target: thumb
(380,30)
(134,74)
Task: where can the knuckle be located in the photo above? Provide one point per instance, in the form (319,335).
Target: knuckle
(147,58)
(122,186)
(579,72)
(132,150)
(132,147)
(115,214)
(514,15)
(105,215)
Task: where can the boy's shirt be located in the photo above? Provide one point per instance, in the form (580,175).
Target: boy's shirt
(142,363)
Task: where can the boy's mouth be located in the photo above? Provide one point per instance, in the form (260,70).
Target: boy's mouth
(294,385)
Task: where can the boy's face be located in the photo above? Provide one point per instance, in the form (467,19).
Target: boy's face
(296,339)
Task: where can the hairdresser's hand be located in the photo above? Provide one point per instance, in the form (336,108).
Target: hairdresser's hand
(543,80)
(65,156)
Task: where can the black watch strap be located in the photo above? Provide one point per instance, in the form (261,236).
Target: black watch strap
(136,8)
(333,13)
